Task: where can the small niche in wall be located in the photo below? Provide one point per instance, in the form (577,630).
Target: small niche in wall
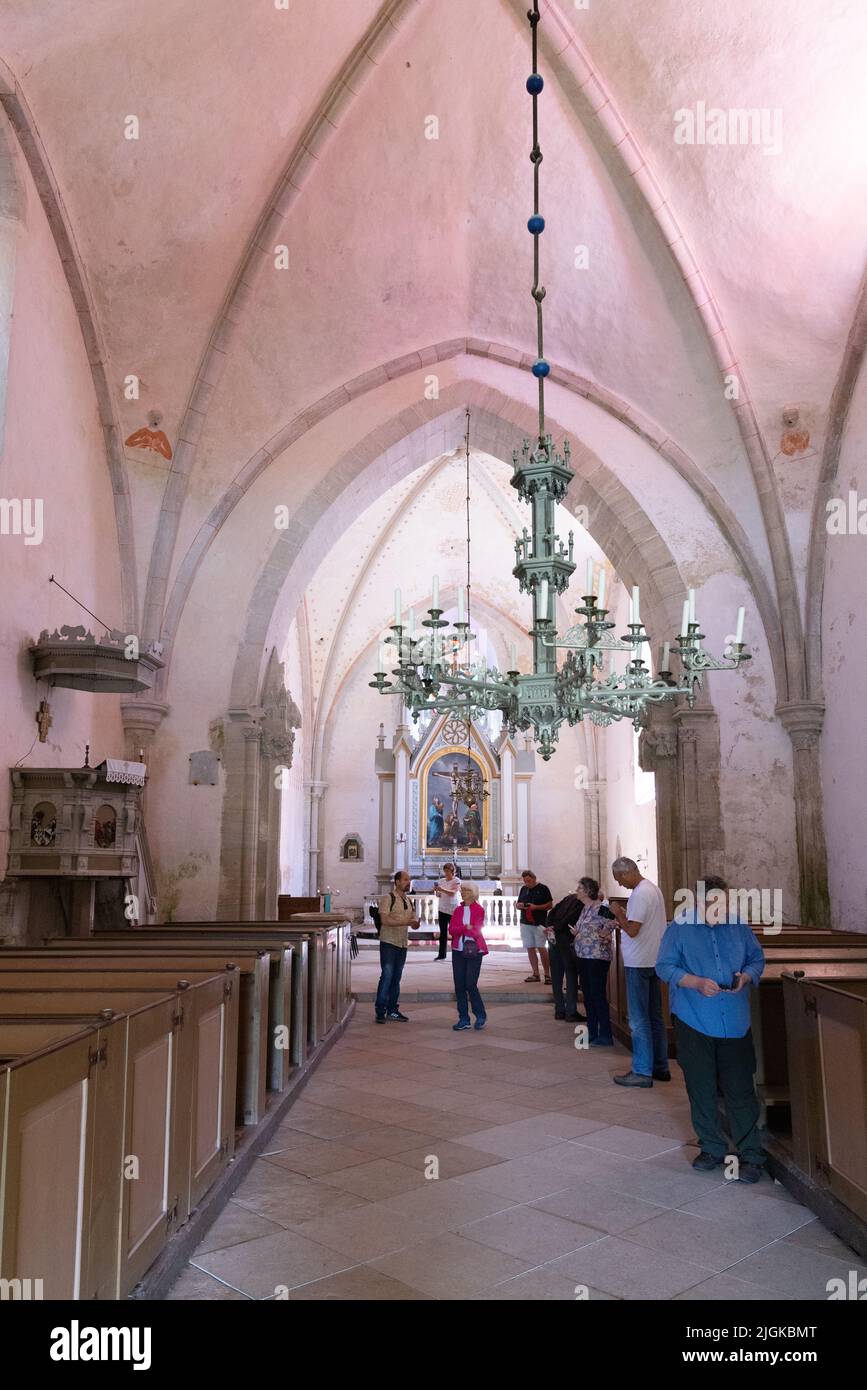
(43,824)
(105,827)
(352,849)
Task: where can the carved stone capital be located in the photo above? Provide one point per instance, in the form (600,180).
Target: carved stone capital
(656,744)
(802,720)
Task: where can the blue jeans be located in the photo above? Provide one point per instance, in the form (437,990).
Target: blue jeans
(644,1001)
(465,970)
(392,960)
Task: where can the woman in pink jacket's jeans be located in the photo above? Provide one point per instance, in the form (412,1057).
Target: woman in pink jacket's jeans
(468,951)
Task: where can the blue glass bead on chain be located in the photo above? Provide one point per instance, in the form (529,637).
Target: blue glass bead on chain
(536,224)
(535,83)
(540,368)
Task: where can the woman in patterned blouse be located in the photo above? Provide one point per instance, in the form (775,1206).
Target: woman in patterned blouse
(593,947)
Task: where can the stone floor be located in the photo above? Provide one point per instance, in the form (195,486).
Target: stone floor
(552,1182)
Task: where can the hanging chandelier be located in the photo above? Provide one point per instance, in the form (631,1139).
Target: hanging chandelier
(435,671)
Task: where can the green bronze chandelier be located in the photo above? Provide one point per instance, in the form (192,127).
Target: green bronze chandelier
(434,671)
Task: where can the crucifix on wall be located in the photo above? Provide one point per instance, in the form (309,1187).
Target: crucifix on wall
(43,720)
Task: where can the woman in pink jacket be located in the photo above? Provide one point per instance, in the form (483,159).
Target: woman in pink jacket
(468,949)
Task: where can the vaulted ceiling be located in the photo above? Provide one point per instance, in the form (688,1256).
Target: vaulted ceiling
(307,126)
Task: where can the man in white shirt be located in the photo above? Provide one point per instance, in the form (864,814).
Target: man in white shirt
(448,890)
(643,924)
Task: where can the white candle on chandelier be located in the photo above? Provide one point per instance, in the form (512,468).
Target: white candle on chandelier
(739,633)
(543,599)
(636,618)
(436,591)
(460,603)
(513,657)
(684,622)
(691,605)
(600,602)
(397,607)
(589,588)
(666,661)
(381,661)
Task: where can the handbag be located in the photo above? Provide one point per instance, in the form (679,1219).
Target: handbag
(471,947)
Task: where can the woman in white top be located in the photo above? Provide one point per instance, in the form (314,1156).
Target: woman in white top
(448,890)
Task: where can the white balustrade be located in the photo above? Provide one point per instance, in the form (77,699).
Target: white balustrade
(502,924)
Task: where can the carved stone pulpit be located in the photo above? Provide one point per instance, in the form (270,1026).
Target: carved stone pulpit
(75,822)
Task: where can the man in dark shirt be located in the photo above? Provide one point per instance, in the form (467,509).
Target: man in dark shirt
(534,902)
(562,957)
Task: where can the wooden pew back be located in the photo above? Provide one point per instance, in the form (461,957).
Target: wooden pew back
(113,1133)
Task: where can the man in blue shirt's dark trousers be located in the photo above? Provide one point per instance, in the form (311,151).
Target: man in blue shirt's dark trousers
(709,966)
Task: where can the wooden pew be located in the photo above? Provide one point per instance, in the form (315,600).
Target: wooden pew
(112,1134)
(260,1010)
(826,1026)
(821,954)
(287,985)
(328,944)
(21,1036)
(330,958)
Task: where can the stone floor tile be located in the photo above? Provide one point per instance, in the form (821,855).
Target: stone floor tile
(538,1285)
(796,1270)
(618,1267)
(736,1204)
(591,1203)
(378,1178)
(725,1287)
(288,1198)
(360,1284)
(368,1232)
(446,1203)
(701,1239)
(453,1157)
(631,1143)
(262,1267)
(194,1285)
(509,1141)
(528,1233)
(450,1267)
(234,1225)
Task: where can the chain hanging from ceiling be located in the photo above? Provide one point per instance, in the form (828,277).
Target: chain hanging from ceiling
(436,672)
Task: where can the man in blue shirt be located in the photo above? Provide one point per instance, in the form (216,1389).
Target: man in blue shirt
(709,963)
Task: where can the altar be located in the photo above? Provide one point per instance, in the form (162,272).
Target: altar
(427,817)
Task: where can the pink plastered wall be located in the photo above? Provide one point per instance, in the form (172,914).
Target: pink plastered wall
(53,451)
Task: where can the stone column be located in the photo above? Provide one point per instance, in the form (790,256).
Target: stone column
(525,766)
(699,848)
(657,753)
(384,765)
(250,822)
(315,791)
(594,812)
(402,753)
(509,872)
(802,720)
(141,719)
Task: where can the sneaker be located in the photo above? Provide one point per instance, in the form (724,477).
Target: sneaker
(662,1075)
(461,1025)
(601,1042)
(398,1017)
(632,1078)
(706,1162)
(381,1018)
(750,1172)
(575,1018)
(559,1017)
(479,1023)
